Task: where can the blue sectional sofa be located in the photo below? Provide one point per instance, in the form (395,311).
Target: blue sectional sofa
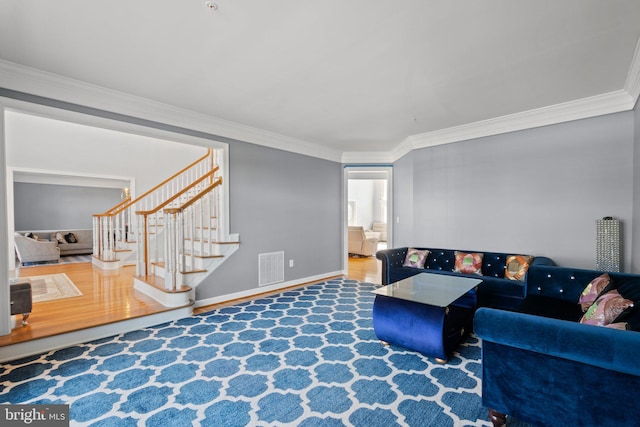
(544,367)
(494,291)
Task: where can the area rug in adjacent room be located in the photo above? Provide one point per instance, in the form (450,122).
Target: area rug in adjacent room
(51,287)
(305,357)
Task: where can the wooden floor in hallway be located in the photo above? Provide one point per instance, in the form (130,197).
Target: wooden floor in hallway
(109,296)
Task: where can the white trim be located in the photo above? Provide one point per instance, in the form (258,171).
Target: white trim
(6,218)
(44,176)
(168,299)
(345,200)
(632,84)
(374,157)
(30,80)
(263,289)
(55,342)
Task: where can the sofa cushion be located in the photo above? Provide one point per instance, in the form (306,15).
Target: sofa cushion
(469,263)
(516,267)
(629,289)
(550,307)
(60,238)
(592,290)
(440,260)
(606,309)
(415,258)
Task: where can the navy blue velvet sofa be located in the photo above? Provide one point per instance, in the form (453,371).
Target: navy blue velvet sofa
(494,291)
(544,367)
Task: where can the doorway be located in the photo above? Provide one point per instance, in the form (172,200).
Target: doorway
(368,204)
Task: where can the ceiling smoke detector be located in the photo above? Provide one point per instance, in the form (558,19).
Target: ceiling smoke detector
(211,6)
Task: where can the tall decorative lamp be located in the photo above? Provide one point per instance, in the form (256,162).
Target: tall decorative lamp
(608,244)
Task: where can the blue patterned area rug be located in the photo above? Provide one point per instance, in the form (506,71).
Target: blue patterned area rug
(306,357)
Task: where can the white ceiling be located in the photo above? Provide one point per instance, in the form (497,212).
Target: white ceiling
(349,76)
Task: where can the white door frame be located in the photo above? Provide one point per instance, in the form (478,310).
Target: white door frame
(388,169)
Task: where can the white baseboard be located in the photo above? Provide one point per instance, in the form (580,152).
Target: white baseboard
(263,289)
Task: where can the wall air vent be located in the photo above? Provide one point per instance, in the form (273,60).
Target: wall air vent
(271,268)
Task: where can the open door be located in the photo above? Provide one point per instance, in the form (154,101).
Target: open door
(368,204)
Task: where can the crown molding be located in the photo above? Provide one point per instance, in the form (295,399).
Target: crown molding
(598,105)
(364,157)
(632,84)
(48,85)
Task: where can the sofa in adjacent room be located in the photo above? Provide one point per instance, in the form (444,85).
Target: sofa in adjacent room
(570,356)
(30,249)
(502,274)
(360,244)
(74,242)
(69,242)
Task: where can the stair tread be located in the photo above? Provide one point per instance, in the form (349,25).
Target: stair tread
(204,256)
(193,271)
(159,283)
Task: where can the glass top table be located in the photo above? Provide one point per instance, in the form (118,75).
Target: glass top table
(428,288)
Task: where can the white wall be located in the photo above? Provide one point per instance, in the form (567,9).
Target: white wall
(362,193)
(34,142)
(368,197)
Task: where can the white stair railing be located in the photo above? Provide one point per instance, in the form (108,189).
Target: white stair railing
(183,243)
(114,229)
(156,221)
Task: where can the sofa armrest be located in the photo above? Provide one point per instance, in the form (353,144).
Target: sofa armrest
(606,348)
(391,258)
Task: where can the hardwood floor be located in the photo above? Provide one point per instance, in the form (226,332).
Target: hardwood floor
(367,269)
(108,296)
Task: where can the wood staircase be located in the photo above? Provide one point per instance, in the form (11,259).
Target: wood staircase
(174,234)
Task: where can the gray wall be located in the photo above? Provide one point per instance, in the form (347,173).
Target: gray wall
(59,207)
(537,191)
(280,201)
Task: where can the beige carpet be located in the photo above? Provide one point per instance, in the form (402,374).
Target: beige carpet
(51,287)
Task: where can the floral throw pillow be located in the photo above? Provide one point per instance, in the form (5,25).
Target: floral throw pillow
(516,267)
(415,258)
(606,309)
(592,290)
(469,263)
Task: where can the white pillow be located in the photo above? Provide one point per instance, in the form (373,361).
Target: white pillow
(60,238)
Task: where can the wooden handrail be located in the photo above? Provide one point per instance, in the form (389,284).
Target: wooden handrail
(116,210)
(116,207)
(180,193)
(194,199)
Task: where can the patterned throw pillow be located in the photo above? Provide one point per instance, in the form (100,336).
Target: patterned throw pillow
(606,309)
(469,263)
(592,290)
(415,258)
(516,267)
